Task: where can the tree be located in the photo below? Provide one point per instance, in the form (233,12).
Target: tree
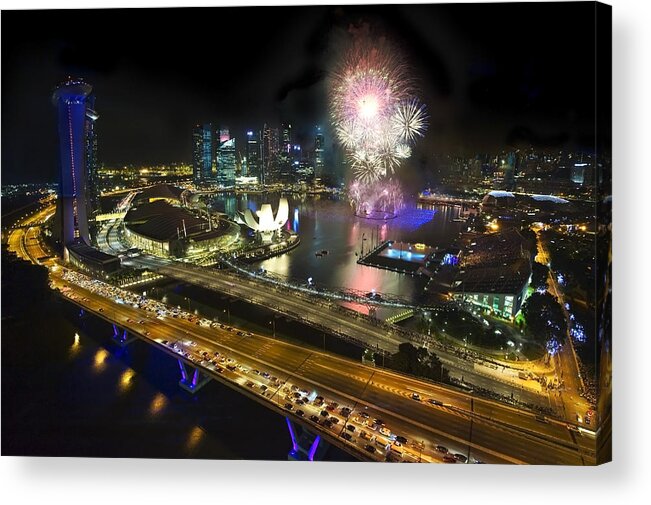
(545,318)
(539,276)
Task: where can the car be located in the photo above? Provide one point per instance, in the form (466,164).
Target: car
(435,402)
(350,427)
(300,402)
(441,449)
(263,387)
(147,333)
(101,309)
(219,369)
(460,457)
(314,419)
(327,423)
(296,395)
(330,408)
(364,415)
(300,413)
(257,372)
(369,448)
(364,435)
(289,406)
(324,413)
(240,333)
(379,422)
(346,436)
(385,431)
(250,384)
(415,396)
(393,457)
(333,420)
(345,411)
(449,459)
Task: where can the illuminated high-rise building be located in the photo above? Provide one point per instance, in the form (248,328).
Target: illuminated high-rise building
(253,162)
(92,167)
(71,99)
(270,152)
(203,153)
(285,155)
(226,163)
(319,161)
(224,135)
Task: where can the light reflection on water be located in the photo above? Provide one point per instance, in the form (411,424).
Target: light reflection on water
(126,380)
(157,404)
(99,361)
(329,224)
(75,347)
(195,436)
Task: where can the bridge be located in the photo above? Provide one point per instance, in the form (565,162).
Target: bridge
(379,414)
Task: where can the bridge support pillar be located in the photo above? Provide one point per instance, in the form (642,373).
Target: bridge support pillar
(122,338)
(192,380)
(306,446)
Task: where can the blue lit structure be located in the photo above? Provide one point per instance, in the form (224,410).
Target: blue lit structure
(203,153)
(71,99)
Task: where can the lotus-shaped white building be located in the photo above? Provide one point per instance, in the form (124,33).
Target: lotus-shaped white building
(266,224)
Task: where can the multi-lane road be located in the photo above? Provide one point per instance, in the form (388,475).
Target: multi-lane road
(25,239)
(319,313)
(481,429)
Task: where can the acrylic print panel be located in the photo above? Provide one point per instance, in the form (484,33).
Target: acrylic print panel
(345,233)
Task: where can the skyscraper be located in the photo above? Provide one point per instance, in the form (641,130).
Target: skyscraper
(270,148)
(226,163)
(285,155)
(319,154)
(253,156)
(70,97)
(91,156)
(203,153)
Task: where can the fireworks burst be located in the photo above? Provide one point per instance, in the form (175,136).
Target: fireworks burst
(376,117)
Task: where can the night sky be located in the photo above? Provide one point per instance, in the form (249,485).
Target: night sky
(492,76)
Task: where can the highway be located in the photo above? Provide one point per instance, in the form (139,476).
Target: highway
(324,316)
(25,241)
(484,430)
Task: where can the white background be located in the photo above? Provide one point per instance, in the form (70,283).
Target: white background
(626,480)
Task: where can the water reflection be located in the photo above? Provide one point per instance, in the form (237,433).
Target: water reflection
(327,223)
(157,404)
(195,436)
(126,380)
(75,347)
(100,360)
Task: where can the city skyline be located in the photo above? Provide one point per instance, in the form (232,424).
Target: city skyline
(483,92)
